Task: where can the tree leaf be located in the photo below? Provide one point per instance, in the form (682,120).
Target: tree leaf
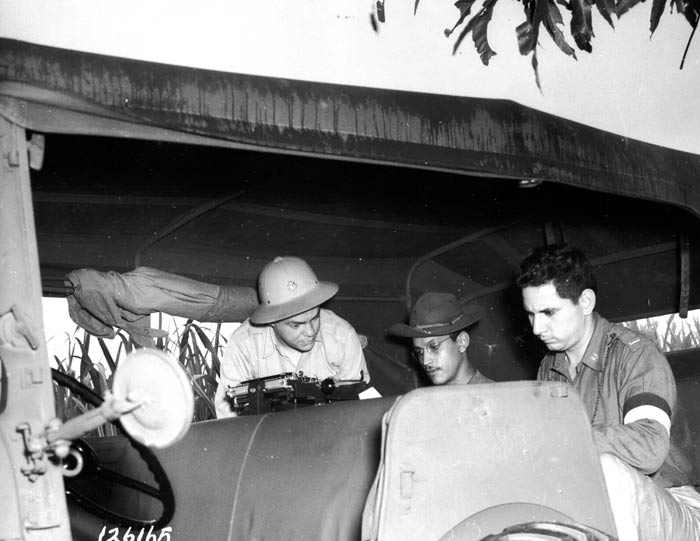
(690,9)
(529,31)
(479,24)
(465,8)
(380,13)
(690,39)
(480,30)
(535,64)
(624,6)
(552,22)
(657,9)
(581,25)
(606,8)
(527,37)
(554,15)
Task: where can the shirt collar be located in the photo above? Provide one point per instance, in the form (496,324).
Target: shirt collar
(595,350)
(560,363)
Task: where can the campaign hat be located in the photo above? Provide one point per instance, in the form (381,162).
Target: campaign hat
(437,314)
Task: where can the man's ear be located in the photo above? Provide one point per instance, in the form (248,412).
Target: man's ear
(463,341)
(587,301)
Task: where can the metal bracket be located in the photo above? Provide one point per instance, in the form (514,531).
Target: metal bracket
(560,391)
(684,300)
(16,328)
(34,451)
(35,147)
(12,157)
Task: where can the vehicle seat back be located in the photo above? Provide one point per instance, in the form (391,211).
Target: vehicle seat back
(449,453)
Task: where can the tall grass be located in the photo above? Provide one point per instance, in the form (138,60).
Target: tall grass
(671,332)
(197,349)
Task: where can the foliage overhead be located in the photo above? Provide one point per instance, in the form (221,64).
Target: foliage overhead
(546,14)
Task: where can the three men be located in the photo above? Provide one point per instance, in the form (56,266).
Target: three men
(627,388)
(290,332)
(438,326)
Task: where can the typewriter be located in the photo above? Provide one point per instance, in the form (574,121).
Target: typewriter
(290,391)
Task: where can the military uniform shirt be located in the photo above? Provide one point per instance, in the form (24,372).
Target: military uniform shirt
(628,391)
(254,352)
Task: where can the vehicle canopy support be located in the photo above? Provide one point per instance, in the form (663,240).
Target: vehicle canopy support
(33,487)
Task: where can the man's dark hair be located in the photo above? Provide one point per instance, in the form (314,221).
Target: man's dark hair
(565,266)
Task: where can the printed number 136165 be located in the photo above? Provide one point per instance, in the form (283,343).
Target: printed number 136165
(113,534)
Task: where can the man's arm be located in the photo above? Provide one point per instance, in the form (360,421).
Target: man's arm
(343,348)
(353,364)
(236,366)
(647,395)
(643,444)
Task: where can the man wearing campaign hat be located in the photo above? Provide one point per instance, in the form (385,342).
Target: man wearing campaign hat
(438,326)
(290,332)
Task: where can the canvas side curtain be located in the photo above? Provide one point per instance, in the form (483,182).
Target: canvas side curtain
(101,302)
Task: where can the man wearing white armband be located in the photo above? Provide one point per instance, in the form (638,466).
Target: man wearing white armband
(628,390)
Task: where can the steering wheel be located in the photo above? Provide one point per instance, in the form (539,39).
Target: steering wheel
(548,531)
(91,469)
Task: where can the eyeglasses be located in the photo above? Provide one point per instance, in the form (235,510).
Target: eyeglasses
(433,348)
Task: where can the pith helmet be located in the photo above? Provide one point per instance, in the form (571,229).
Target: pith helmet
(287,286)
(437,314)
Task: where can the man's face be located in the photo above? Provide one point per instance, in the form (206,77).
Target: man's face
(299,332)
(559,323)
(441,359)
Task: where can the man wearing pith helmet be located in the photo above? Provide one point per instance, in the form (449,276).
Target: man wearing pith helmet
(290,332)
(438,326)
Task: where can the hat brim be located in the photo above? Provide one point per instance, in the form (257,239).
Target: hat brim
(472,314)
(265,313)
